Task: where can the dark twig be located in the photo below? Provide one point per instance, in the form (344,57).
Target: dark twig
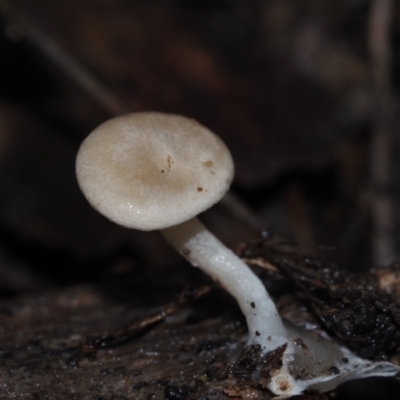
(122,335)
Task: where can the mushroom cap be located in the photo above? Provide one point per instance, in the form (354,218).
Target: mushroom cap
(151,170)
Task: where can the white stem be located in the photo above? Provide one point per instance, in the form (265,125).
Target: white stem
(202,249)
(307,361)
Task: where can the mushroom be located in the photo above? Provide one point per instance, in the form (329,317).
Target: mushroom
(154,171)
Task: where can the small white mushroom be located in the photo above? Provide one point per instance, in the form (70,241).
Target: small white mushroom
(153,171)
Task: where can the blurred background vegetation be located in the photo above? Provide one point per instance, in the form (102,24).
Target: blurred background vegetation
(304,92)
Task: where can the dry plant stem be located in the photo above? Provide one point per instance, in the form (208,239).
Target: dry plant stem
(242,212)
(65,61)
(107,99)
(381,142)
(201,248)
(120,335)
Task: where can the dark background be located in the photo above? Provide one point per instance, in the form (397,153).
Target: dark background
(292,86)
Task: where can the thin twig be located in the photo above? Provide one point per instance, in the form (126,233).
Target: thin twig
(76,71)
(123,334)
(64,61)
(242,212)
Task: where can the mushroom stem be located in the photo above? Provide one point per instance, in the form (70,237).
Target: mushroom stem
(310,360)
(202,249)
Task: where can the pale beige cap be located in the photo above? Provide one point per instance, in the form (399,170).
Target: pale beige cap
(151,170)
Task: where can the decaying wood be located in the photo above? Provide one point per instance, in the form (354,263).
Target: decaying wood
(361,310)
(84,343)
(65,345)
(44,349)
